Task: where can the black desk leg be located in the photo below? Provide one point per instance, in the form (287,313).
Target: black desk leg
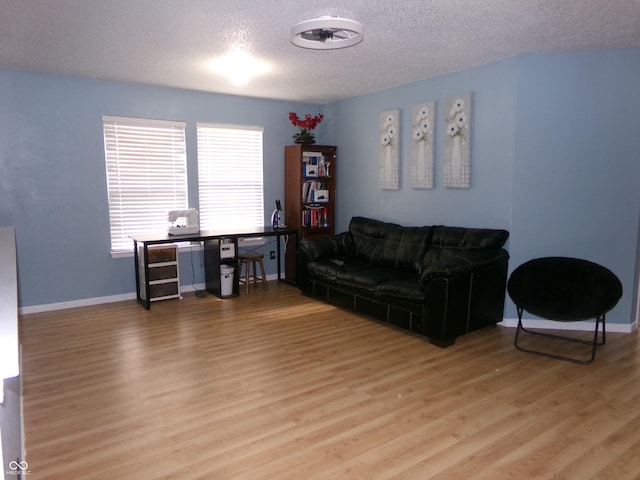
(297,247)
(147,287)
(136,259)
(278,253)
(135,266)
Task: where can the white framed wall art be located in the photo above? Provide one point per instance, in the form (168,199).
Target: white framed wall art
(422,166)
(457,162)
(389,146)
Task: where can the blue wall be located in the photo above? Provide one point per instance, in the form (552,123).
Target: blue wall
(353,126)
(577,163)
(555,160)
(53,182)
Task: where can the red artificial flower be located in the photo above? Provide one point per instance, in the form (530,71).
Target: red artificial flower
(308,123)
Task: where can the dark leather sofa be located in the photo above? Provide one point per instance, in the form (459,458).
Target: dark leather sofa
(438,281)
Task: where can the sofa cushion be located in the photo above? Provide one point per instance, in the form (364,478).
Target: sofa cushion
(324,269)
(372,278)
(468,238)
(365,276)
(338,246)
(388,244)
(403,288)
(451,241)
(368,237)
(404,247)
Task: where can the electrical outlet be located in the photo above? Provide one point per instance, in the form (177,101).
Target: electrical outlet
(272,254)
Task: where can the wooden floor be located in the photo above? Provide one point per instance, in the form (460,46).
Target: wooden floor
(278,386)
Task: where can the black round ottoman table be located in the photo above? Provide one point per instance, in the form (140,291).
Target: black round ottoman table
(566,290)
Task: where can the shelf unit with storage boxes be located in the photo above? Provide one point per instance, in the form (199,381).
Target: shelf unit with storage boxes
(309,194)
(164,272)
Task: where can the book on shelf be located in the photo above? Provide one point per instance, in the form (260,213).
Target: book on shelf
(314,191)
(315,216)
(315,164)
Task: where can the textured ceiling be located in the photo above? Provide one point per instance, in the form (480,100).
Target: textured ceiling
(172,42)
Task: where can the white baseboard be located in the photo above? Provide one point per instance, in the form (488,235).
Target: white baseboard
(506,322)
(87,302)
(575,326)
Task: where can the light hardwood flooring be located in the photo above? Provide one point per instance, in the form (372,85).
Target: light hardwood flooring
(274,385)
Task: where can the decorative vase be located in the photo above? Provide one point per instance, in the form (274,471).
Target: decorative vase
(455,158)
(421,162)
(388,164)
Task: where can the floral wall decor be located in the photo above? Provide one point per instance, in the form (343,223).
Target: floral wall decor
(389,165)
(422,151)
(457,164)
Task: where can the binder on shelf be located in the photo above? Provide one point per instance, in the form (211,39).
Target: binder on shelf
(315,216)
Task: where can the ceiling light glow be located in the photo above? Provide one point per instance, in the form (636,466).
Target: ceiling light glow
(239,66)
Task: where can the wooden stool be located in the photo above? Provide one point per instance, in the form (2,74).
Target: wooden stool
(254,259)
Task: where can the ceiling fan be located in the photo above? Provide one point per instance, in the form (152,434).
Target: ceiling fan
(327,33)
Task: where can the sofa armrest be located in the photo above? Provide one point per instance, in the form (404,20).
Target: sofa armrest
(466,261)
(323,248)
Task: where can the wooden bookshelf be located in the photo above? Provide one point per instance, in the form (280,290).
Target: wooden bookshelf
(309,194)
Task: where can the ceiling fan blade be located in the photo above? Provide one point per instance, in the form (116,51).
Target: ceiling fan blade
(319,34)
(341,34)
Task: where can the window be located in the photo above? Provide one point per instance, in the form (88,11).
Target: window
(230,176)
(146,176)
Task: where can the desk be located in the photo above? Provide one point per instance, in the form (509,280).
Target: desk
(214,236)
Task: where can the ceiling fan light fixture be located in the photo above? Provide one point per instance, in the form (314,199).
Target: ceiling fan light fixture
(327,33)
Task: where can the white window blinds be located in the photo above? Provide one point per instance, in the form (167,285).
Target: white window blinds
(146,176)
(230,176)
